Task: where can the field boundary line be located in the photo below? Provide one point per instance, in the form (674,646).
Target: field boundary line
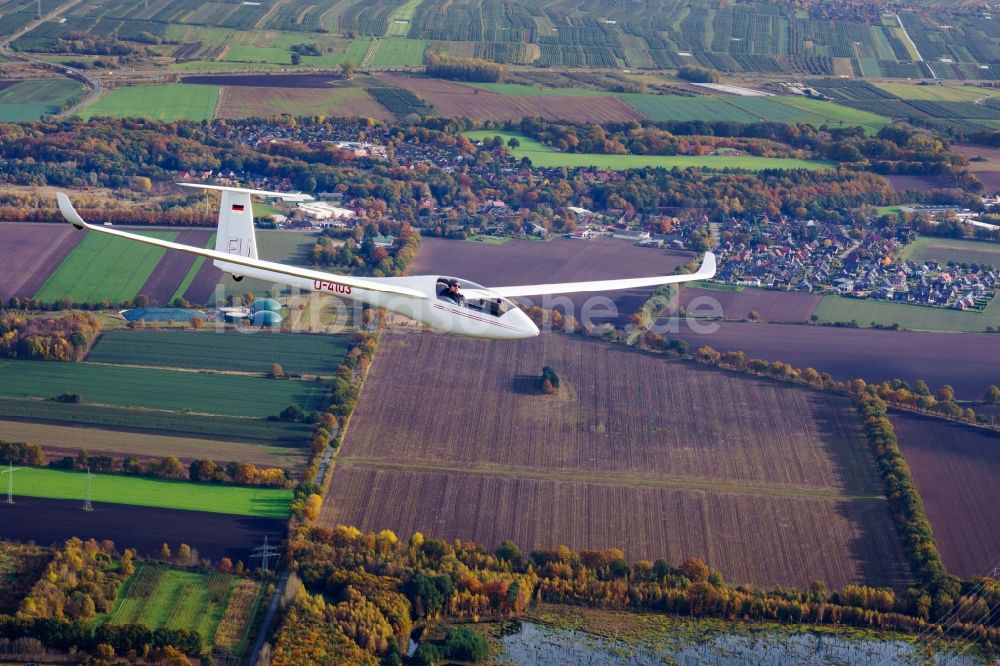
(625,479)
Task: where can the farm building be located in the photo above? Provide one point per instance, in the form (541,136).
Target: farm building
(320,211)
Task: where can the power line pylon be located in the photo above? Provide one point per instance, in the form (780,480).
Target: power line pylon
(87,504)
(264,554)
(10,481)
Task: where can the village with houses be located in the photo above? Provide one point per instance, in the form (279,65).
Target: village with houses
(781,253)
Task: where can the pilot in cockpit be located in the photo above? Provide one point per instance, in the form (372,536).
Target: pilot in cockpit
(453,292)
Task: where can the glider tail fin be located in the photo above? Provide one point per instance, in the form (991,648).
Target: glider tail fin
(236,233)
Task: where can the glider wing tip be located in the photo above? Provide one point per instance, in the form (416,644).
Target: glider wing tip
(68,212)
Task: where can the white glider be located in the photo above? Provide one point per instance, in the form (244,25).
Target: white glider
(443,303)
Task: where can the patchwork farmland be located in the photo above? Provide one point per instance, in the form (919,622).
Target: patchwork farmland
(956,468)
(188,394)
(50,262)
(558,260)
(776,475)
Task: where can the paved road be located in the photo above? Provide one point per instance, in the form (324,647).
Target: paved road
(267,625)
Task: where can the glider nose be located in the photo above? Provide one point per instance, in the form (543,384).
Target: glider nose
(525,327)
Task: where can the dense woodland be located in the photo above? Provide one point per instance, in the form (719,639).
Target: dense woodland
(64,338)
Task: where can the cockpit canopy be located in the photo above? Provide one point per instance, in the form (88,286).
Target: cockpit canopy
(471,296)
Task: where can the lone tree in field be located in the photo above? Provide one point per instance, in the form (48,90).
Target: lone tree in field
(549,381)
(277,372)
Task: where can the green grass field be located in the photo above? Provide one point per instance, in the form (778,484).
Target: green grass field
(829,113)
(169,102)
(937,93)
(352,51)
(399,53)
(31,99)
(84,276)
(172,390)
(142,491)
(543,156)
(298,353)
(163,597)
(236,428)
(833,309)
(399,21)
(928,248)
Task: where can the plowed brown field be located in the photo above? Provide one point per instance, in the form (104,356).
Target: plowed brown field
(771,483)
(453,99)
(957,471)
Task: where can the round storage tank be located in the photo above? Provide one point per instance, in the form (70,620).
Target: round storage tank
(265,318)
(265,305)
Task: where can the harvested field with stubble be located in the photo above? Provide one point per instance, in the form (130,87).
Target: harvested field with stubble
(30,253)
(453,99)
(957,471)
(558,260)
(657,457)
(752,539)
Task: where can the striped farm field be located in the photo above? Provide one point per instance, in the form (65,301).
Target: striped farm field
(148,388)
(543,156)
(253,351)
(163,597)
(771,483)
(84,275)
(59,440)
(168,102)
(31,99)
(144,491)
